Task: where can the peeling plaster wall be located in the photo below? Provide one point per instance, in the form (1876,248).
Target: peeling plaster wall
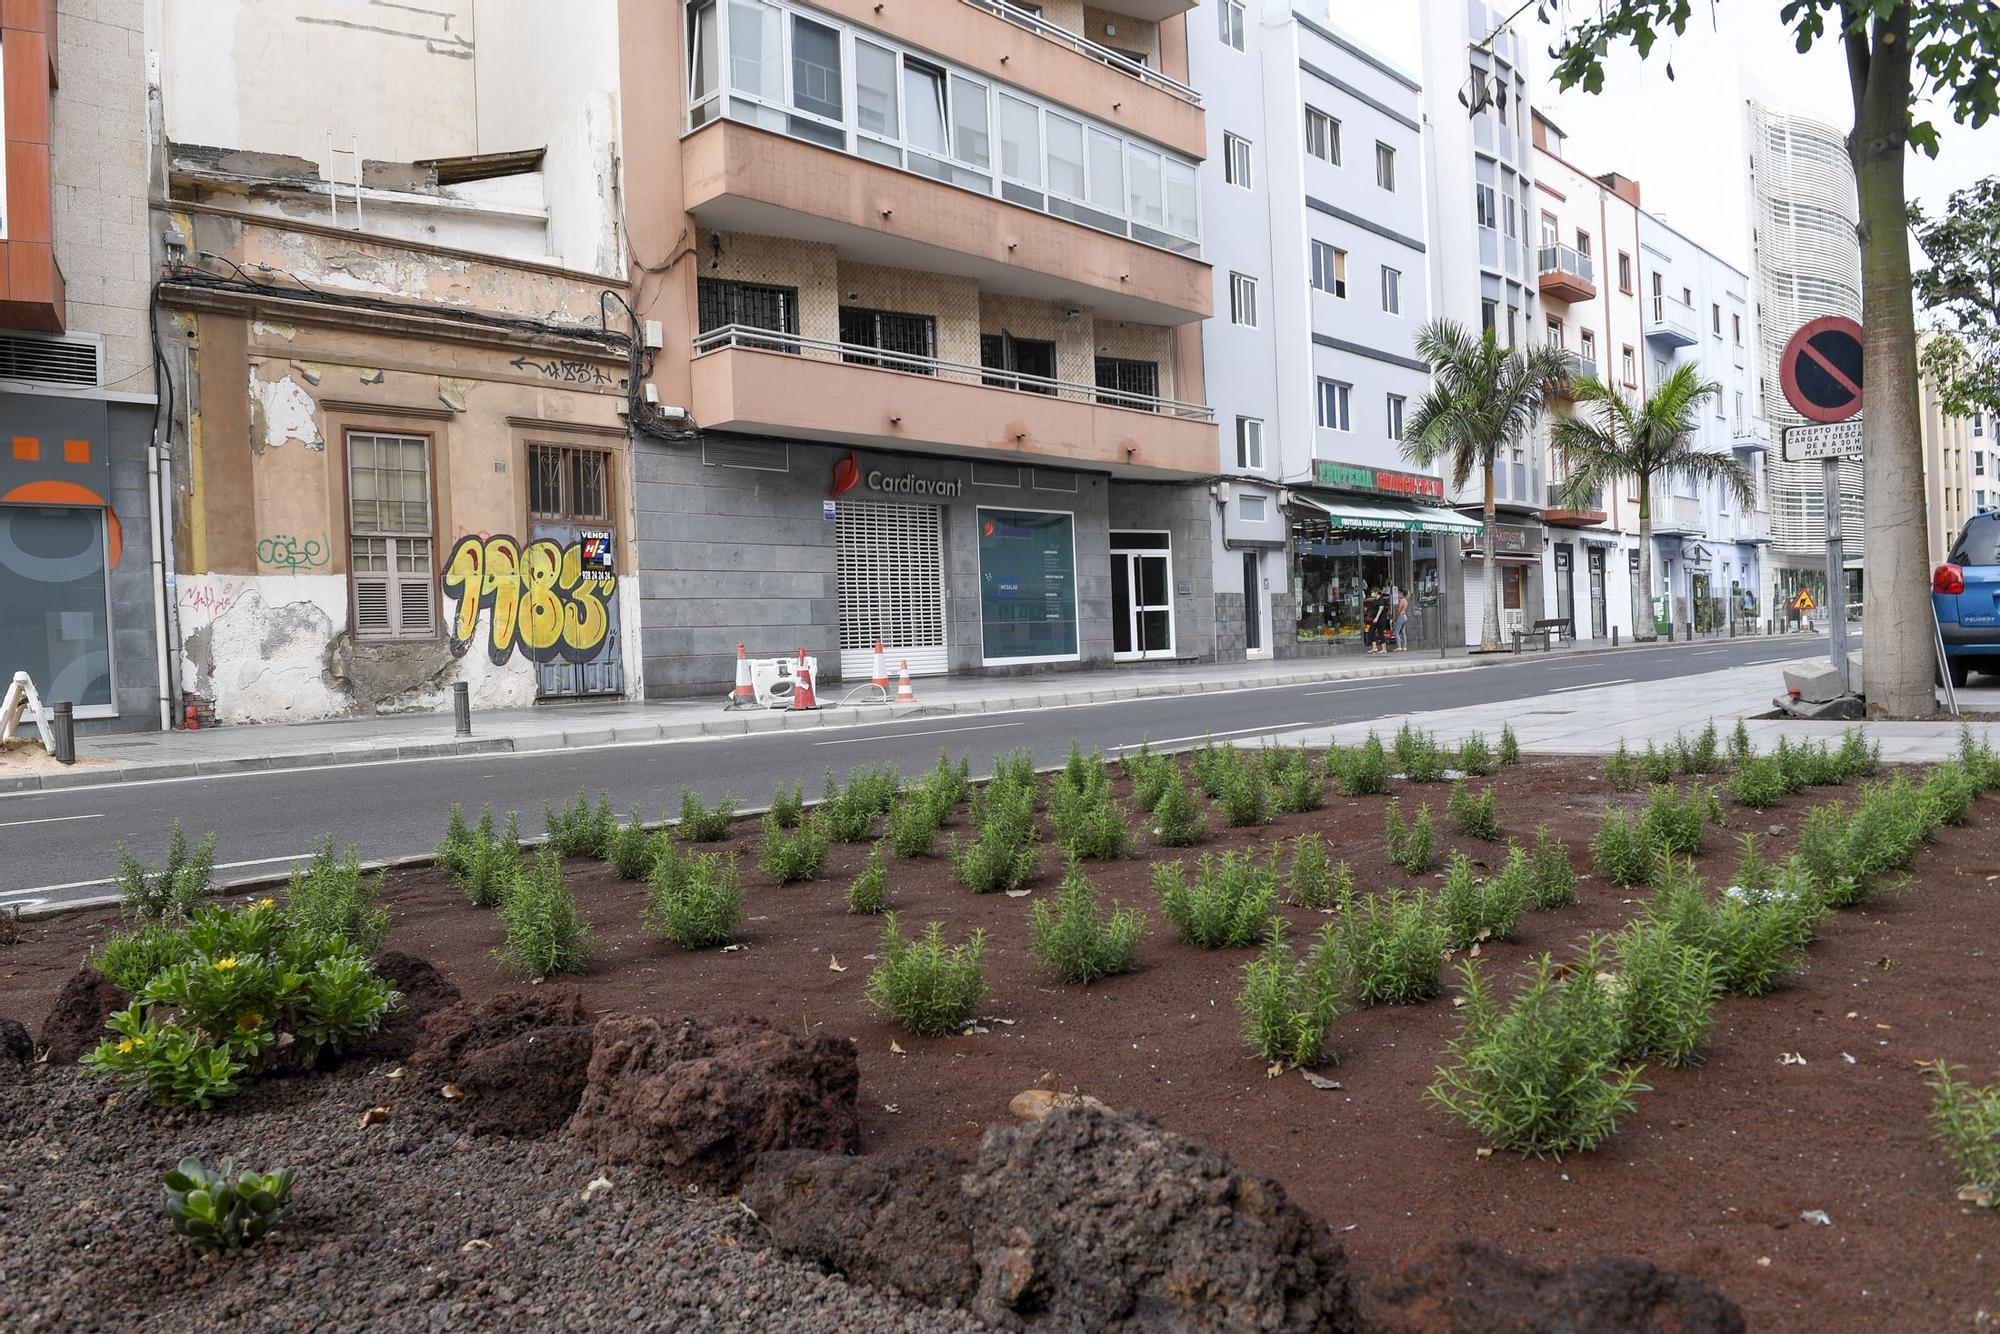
(281,411)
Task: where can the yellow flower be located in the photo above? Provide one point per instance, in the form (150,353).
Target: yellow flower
(249,1021)
(224,965)
(125,1047)
(267,903)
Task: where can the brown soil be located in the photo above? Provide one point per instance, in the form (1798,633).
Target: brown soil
(1709,1176)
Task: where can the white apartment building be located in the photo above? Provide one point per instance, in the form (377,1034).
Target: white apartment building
(1806,260)
(1315,188)
(1708,557)
(1480,171)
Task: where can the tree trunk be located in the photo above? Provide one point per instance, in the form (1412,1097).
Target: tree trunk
(1489,630)
(1896,611)
(1645,631)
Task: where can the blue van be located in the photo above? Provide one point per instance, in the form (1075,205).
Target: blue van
(1965,590)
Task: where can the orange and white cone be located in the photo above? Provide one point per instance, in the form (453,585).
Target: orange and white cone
(881,681)
(905,695)
(802,687)
(745,694)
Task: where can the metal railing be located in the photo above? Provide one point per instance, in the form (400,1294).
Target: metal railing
(1580,366)
(1567,259)
(1082,45)
(881,358)
(1593,502)
(1671,315)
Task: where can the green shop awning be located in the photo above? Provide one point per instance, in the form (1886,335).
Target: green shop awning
(1389,516)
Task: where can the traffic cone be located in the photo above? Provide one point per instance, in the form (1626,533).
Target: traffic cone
(905,695)
(745,694)
(881,681)
(802,689)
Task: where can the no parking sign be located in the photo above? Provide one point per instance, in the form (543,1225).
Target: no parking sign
(1821,369)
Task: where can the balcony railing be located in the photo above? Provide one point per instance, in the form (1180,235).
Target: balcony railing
(1570,260)
(1592,503)
(886,359)
(1580,366)
(1082,45)
(1672,319)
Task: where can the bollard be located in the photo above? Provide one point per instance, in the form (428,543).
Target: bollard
(461,707)
(65,732)
(1614,636)
(1690,632)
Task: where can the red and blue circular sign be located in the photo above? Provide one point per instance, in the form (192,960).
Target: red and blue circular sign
(1821,369)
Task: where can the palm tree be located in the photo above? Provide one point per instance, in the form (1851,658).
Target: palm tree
(1482,397)
(1644,440)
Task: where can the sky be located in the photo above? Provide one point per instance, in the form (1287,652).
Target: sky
(1658,131)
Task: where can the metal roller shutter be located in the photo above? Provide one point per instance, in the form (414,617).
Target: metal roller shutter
(891,580)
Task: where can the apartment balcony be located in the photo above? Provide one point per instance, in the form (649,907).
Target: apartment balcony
(1580,368)
(1671,322)
(1749,438)
(739,178)
(768,382)
(1561,514)
(1567,274)
(1031,64)
(1678,515)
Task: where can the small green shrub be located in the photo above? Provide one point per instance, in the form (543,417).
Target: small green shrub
(225,1209)
(697,900)
(788,805)
(1754,940)
(704,824)
(848,814)
(455,847)
(1315,882)
(1657,766)
(1665,992)
(578,829)
(1007,851)
(331,895)
(1473,910)
(630,854)
(1965,1119)
(1083,816)
(1674,822)
(1475,817)
(1394,947)
(1360,771)
(1510,745)
(1541,1076)
(1245,799)
(1759,782)
(1150,774)
(790,856)
(1226,905)
(1822,853)
(952,783)
(1621,771)
(1949,791)
(1181,823)
(1288,1003)
(1754,870)
(1740,748)
(1475,757)
(1703,755)
(1891,821)
(131,959)
(1619,851)
(868,895)
(1553,881)
(234,990)
(1979,759)
(1857,758)
(545,934)
(1213,766)
(915,822)
(1075,940)
(1298,782)
(1411,847)
(928,987)
(1421,758)
(492,863)
(176,891)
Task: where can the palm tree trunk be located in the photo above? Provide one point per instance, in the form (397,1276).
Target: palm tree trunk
(1895,605)
(1489,630)
(1645,630)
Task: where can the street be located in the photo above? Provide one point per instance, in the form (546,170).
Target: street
(62,846)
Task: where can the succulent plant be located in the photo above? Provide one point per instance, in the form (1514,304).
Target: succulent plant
(221,1210)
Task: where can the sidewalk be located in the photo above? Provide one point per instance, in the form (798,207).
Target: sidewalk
(1592,721)
(135,757)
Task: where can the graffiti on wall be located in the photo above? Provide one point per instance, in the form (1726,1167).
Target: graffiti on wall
(548,601)
(286,552)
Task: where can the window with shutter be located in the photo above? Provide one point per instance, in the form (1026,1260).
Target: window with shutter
(389,511)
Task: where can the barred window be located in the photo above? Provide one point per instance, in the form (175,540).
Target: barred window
(389,508)
(568,483)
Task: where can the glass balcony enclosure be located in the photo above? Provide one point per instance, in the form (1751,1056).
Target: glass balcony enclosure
(795,71)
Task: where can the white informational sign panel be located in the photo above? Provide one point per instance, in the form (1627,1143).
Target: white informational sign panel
(1836,440)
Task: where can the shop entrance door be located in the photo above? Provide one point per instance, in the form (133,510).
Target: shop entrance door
(889,570)
(1142,596)
(577,669)
(1253,597)
(1566,584)
(1598,615)
(1513,583)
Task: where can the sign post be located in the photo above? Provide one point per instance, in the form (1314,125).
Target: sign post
(1821,372)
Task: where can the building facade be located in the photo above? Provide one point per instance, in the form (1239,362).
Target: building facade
(1315,175)
(1806,261)
(1484,272)
(1958,470)
(929,283)
(399,418)
(81,592)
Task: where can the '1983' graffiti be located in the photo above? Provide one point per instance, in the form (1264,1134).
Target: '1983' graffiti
(545,603)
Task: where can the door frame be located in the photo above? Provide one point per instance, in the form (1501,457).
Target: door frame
(1256,609)
(1133,606)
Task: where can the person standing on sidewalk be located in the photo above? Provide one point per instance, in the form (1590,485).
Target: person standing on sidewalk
(1402,619)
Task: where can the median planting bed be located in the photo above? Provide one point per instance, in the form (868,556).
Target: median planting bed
(1748,1028)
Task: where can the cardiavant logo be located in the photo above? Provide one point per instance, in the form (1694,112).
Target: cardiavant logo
(846,476)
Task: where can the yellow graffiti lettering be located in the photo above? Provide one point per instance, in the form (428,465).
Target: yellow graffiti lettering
(541,600)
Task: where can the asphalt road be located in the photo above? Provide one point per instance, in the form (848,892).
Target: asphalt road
(62,846)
